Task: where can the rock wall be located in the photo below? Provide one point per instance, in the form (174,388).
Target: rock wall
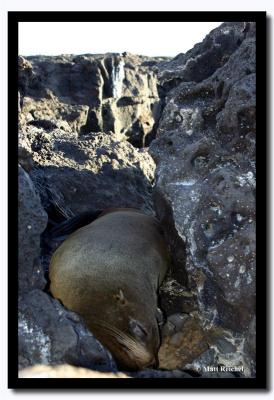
(205,184)
(90,93)
(175,138)
(97,170)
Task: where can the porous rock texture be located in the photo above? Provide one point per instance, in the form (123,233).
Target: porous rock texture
(97,170)
(83,124)
(205,184)
(90,93)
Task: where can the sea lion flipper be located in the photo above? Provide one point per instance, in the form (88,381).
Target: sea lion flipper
(69,226)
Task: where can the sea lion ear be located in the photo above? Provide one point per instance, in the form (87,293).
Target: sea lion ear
(138,329)
(120,297)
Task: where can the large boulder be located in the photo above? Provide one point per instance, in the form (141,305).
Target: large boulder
(49,334)
(205,181)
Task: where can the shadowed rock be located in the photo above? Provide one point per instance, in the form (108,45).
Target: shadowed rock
(205,157)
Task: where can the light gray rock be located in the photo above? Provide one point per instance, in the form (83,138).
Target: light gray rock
(90,93)
(49,334)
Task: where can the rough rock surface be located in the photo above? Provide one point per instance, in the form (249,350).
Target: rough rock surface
(83,122)
(90,93)
(182,341)
(204,58)
(49,334)
(97,170)
(32,220)
(205,179)
(158,374)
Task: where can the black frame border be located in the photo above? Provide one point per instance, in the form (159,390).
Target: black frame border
(261,380)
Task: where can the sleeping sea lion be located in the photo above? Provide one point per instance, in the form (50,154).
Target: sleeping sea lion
(109,272)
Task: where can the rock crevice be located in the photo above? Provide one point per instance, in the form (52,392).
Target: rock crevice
(174,138)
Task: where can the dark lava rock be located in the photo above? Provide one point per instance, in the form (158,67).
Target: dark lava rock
(225,347)
(98,170)
(154,373)
(32,222)
(49,334)
(205,176)
(204,58)
(201,363)
(214,375)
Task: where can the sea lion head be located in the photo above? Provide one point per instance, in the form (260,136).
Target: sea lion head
(131,333)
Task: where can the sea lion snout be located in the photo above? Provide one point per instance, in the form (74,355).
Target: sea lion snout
(137,358)
(138,347)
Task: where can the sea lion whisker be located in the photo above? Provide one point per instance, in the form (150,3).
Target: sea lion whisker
(127,340)
(104,324)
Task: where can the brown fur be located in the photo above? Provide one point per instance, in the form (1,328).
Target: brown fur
(109,272)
